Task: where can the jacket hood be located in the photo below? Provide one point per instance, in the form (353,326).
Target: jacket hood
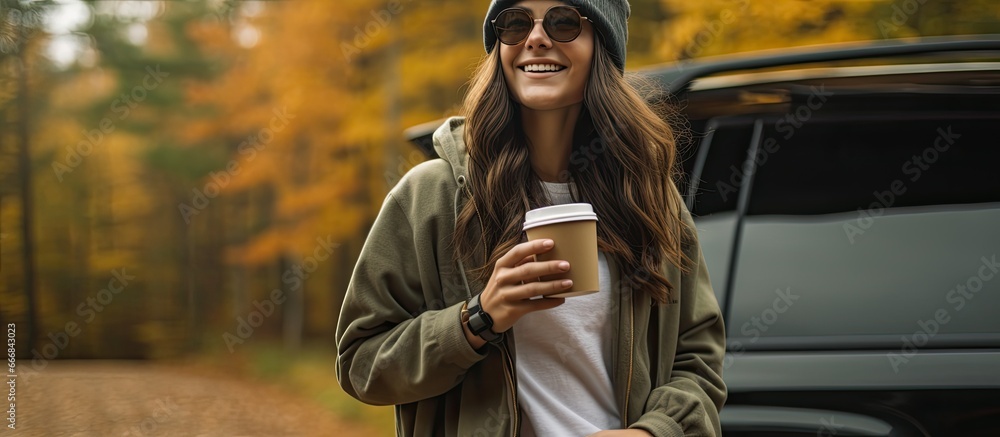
(449,143)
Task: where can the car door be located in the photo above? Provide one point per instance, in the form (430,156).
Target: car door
(862,298)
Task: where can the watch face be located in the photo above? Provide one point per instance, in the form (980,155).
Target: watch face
(479,322)
(474,305)
(476,323)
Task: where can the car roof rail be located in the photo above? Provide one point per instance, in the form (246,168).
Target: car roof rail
(678,76)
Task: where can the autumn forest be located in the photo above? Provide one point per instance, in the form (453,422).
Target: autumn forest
(197,177)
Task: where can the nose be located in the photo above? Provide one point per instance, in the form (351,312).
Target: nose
(538,38)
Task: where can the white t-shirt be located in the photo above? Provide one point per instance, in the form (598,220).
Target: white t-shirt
(564,359)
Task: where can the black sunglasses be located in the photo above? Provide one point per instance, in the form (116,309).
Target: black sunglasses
(562,23)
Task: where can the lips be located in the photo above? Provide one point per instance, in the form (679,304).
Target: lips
(541,68)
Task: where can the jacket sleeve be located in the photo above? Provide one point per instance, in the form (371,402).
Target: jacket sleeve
(689,404)
(392,349)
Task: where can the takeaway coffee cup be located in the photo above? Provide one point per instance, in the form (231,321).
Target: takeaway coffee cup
(573,228)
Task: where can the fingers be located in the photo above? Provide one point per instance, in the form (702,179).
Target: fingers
(523,250)
(534,289)
(515,282)
(527,259)
(530,272)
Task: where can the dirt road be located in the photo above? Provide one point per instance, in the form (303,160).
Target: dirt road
(113,399)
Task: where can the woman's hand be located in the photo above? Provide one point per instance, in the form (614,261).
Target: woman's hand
(515,280)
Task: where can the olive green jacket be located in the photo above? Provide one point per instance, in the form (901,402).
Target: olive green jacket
(400,341)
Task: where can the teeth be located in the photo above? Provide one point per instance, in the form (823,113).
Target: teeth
(542,67)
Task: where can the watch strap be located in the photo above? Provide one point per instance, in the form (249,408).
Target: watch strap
(480,322)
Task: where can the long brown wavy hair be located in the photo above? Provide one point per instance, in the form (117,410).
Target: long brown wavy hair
(623,160)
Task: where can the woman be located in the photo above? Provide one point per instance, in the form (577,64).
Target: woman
(549,119)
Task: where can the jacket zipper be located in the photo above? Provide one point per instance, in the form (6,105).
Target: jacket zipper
(631,348)
(508,368)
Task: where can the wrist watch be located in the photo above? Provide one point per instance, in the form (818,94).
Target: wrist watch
(479,322)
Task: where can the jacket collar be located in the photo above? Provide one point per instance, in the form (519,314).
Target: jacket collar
(449,143)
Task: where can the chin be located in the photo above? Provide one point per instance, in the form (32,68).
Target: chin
(545,103)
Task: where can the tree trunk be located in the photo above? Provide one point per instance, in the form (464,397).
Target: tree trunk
(190,271)
(27,225)
(294,308)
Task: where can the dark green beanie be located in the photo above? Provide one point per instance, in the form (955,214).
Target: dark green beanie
(610,18)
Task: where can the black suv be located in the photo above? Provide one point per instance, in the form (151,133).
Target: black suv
(847,200)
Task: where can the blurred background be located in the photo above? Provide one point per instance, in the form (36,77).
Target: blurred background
(185,185)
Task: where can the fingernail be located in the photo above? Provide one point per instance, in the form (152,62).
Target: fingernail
(548,243)
(567,283)
(564,266)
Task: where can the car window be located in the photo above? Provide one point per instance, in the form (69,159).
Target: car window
(886,229)
(842,166)
(720,177)
(714,206)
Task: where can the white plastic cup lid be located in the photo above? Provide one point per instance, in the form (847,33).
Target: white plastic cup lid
(548,215)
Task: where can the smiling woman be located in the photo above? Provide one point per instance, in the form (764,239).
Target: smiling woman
(550,69)
(501,356)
